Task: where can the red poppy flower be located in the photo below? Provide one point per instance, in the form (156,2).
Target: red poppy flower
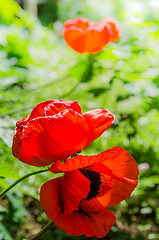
(83,36)
(57,129)
(77,201)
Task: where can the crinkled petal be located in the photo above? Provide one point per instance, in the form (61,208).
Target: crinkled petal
(75,163)
(38,110)
(91,218)
(118,169)
(46,139)
(57,106)
(72,188)
(99,121)
(84,161)
(125,171)
(100,167)
(118,192)
(52,107)
(16,147)
(121,162)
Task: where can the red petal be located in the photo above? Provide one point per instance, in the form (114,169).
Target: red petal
(116,31)
(49,198)
(91,219)
(74,38)
(123,167)
(99,120)
(100,167)
(119,173)
(52,107)
(121,162)
(81,23)
(75,163)
(74,187)
(97,37)
(59,105)
(83,36)
(83,161)
(119,191)
(16,143)
(46,139)
(38,110)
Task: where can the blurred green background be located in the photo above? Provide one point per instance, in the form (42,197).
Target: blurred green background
(37,65)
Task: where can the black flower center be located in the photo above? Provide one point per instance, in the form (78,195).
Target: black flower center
(95,179)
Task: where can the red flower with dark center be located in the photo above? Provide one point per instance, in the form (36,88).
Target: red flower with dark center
(57,129)
(83,36)
(77,201)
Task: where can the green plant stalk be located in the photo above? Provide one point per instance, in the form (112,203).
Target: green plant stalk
(41,233)
(21,179)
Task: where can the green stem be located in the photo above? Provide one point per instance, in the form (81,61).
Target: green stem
(20,180)
(91,57)
(41,233)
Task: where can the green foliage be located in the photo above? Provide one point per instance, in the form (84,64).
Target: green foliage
(6,171)
(37,65)
(83,71)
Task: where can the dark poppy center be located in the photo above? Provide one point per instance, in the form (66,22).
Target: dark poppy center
(95,179)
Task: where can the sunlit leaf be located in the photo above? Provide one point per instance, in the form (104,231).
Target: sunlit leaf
(83,71)
(7,172)
(97,91)
(8,9)
(3,183)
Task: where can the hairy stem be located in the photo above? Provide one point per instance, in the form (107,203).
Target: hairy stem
(21,179)
(43,231)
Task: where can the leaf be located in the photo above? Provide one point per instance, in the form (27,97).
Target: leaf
(4,234)
(106,54)
(130,76)
(8,9)
(17,209)
(82,71)
(3,183)
(7,172)
(121,98)
(97,91)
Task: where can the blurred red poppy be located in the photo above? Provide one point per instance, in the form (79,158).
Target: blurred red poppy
(77,201)
(83,36)
(57,129)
